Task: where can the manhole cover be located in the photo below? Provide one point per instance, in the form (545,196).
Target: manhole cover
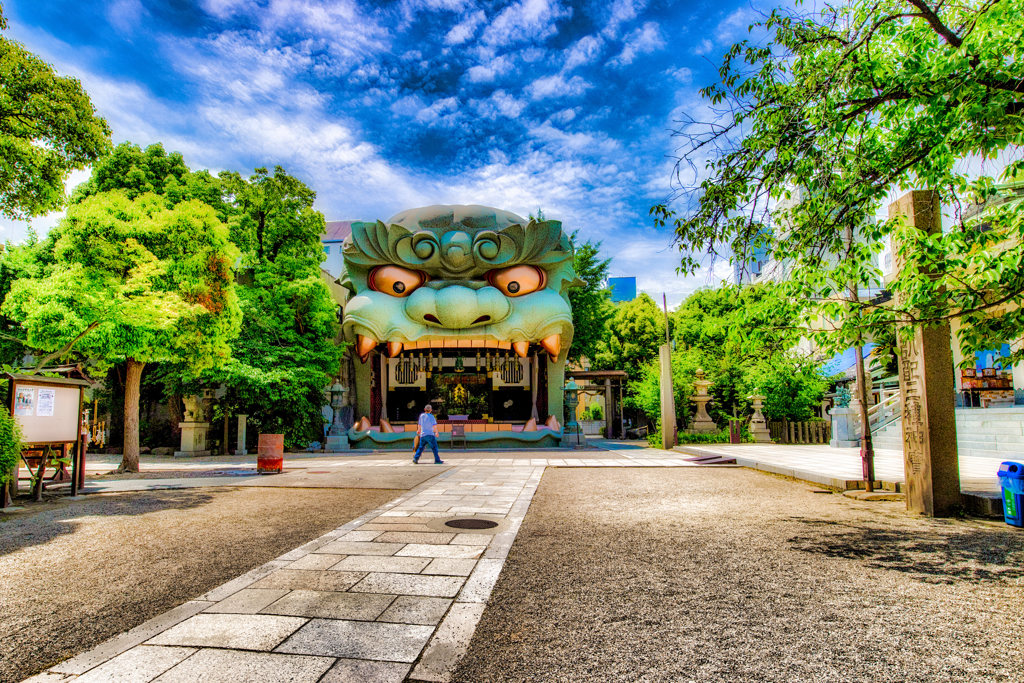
(471,524)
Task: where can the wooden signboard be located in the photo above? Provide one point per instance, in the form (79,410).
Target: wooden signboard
(49,412)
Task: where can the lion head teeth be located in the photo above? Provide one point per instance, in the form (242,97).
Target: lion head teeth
(521,348)
(364,345)
(552,344)
(394,348)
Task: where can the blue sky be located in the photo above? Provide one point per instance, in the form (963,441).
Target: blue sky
(390,105)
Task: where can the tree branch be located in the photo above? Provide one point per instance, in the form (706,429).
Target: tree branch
(933,20)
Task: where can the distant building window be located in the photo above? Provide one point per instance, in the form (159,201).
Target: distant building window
(327,250)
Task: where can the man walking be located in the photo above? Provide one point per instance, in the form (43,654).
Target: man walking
(427,431)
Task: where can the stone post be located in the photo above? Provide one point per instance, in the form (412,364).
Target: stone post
(930,460)
(240,448)
(702,422)
(758,425)
(609,409)
(668,401)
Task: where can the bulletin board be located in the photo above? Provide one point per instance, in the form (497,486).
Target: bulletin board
(47,410)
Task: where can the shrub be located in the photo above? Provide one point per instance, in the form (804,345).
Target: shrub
(10,445)
(593,412)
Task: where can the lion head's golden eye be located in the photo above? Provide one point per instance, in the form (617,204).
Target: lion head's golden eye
(517,280)
(395,280)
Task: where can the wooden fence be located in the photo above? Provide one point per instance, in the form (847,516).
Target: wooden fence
(812,431)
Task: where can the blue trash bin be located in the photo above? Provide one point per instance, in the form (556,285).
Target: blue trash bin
(1011,478)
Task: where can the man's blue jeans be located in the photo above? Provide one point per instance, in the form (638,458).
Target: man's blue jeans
(424,440)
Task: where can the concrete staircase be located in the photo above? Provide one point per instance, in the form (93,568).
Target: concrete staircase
(980,432)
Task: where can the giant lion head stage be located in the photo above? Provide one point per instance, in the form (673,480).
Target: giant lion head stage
(443,290)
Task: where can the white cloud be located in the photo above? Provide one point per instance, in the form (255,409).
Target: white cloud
(643,40)
(583,51)
(126,15)
(735,26)
(500,103)
(557,86)
(526,20)
(682,75)
(622,11)
(485,73)
(703,47)
(465,29)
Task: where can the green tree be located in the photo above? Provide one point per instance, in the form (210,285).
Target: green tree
(133,281)
(48,127)
(10,451)
(16,261)
(835,110)
(634,333)
(591,304)
(287,351)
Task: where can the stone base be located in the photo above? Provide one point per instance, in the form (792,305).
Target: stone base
(702,427)
(241,451)
(761,437)
(334,443)
(839,443)
(192,454)
(572,440)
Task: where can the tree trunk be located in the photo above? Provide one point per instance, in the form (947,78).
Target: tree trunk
(132,385)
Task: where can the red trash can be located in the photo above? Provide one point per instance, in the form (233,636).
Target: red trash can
(270,454)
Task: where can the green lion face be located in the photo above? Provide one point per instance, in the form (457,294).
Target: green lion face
(458,277)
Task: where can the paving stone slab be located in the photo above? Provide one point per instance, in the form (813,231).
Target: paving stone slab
(359,640)
(449,643)
(236,631)
(247,601)
(481,582)
(450,566)
(316,561)
(409,609)
(415,537)
(472,539)
(378,563)
(366,671)
(330,605)
(140,664)
(229,666)
(246,579)
(360,534)
(46,676)
(375,526)
(410,584)
(430,550)
(316,580)
(129,639)
(360,548)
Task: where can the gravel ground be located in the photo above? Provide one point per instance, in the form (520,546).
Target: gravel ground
(74,573)
(731,575)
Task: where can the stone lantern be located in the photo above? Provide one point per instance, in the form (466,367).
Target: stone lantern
(572,434)
(337,438)
(758,425)
(195,429)
(702,422)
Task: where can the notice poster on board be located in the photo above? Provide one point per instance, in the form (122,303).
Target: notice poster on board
(25,402)
(45,402)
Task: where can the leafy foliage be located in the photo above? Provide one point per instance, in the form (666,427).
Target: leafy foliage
(742,340)
(840,106)
(633,335)
(10,446)
(48,127)
(286,352)
(591,303)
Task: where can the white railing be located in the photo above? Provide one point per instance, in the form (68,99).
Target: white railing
(885,412)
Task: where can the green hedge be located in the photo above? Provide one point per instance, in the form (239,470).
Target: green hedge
(710,437)
(10,445)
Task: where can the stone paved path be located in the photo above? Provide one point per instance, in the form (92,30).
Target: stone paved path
(390,596)
(837,466)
